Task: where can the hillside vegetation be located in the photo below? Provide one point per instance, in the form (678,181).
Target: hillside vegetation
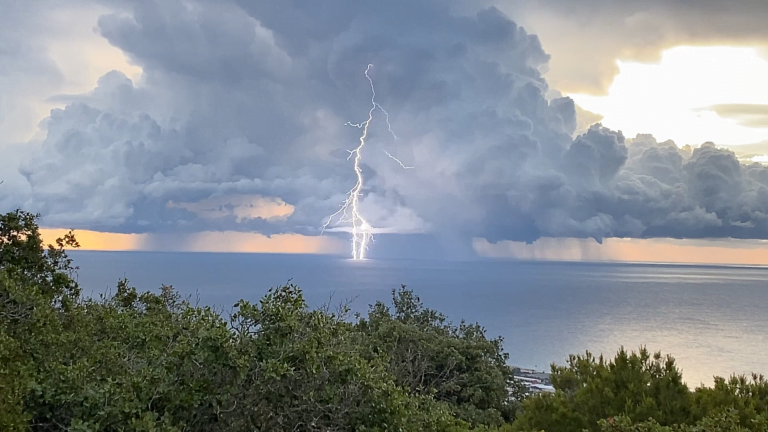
(153,361)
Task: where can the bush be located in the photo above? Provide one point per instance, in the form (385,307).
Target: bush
(429,356)
(134,361)
(639,386)
(146,361)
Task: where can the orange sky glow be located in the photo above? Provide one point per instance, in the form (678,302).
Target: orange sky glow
(210,241)
(732,252)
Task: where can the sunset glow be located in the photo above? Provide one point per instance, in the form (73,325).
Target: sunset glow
(210,241)
(731,252)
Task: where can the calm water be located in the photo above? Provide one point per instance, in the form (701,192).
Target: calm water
(712,319)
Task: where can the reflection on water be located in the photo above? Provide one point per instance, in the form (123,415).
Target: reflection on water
(712,319)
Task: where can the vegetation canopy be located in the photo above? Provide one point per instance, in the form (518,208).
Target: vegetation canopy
(143,361)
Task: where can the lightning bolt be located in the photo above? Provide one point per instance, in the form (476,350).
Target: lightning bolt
(397,160)
(349,212)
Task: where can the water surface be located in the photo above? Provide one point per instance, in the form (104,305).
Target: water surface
(713,320)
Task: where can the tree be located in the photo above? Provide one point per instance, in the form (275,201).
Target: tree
(135,361)
(152,361)
(748,397)
(303,371)
(23,255)
(428,356)
(639,386)
(35,283)
(727,421)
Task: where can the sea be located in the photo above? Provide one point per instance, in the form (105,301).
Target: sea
(712,319)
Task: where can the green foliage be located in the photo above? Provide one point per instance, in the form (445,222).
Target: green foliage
(639,386)
(23,255)
(429,356)
(301,370)
(642,392)
(726,421)
(140,361)
(133,361)
(748,397)
(12,385)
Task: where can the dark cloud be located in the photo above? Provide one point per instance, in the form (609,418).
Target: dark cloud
(214,42)
(238,124)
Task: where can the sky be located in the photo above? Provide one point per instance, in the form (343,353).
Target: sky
(580,129)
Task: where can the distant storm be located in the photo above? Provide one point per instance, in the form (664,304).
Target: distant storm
(235,119)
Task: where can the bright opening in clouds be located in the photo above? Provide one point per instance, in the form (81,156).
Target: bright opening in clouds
(678,98)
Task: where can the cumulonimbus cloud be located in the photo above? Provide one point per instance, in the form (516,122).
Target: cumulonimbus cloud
(250,99)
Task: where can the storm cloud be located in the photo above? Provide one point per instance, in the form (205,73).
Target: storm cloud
(237,124)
